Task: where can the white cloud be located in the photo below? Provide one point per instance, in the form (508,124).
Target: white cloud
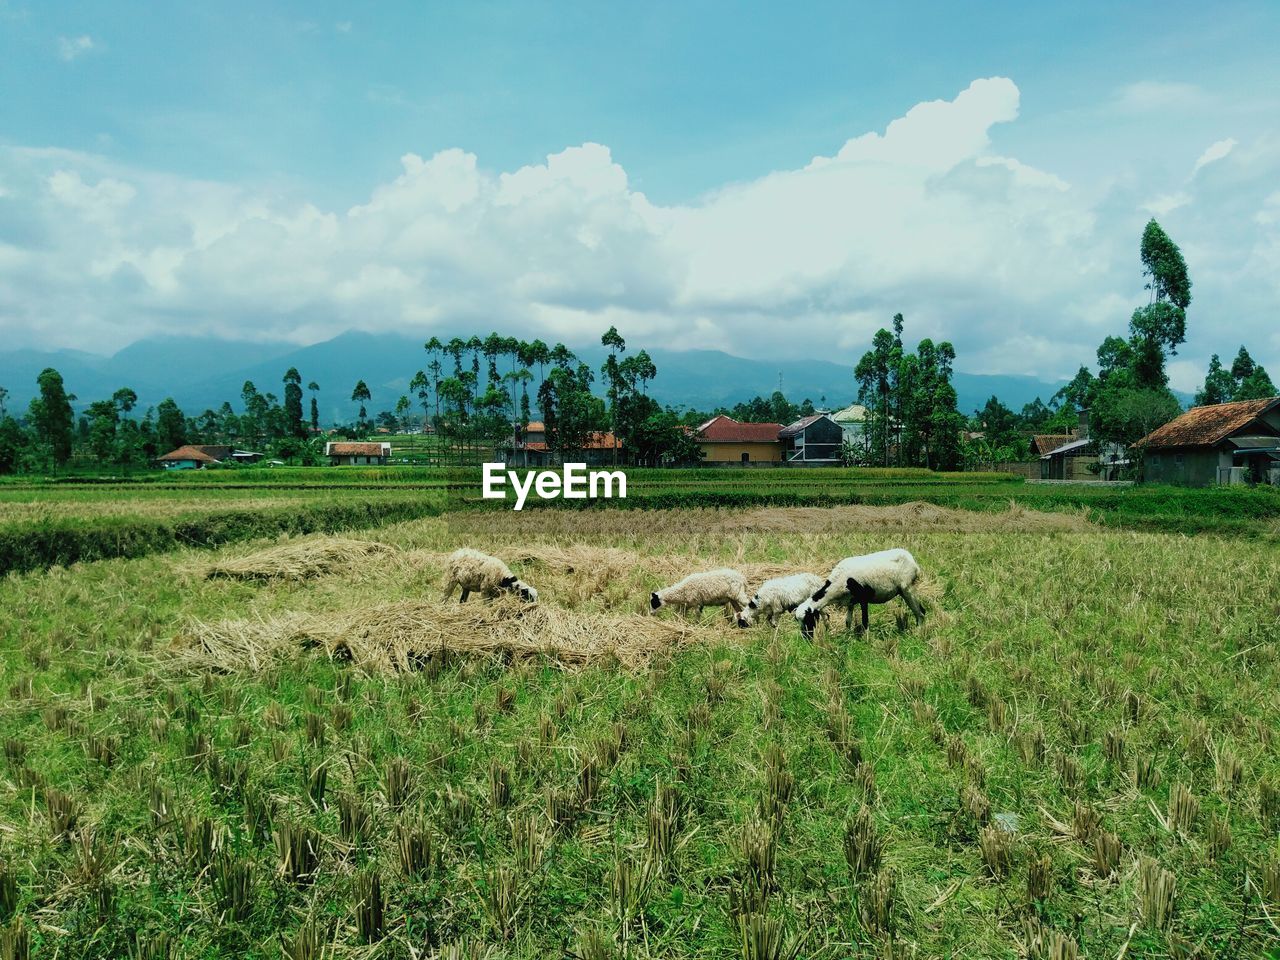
(1023,272)
(1214,153)
(1159,95)
(69,48)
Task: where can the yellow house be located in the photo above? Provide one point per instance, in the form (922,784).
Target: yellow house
(725,440)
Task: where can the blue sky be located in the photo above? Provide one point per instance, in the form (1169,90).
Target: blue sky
(148,147)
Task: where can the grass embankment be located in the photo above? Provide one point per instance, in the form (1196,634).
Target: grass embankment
(1078,744)
(74,525)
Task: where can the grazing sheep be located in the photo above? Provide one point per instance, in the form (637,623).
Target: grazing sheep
(473,570)
(779,595)
(874,578)
(714,588)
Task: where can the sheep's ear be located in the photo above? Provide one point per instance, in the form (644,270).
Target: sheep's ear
(654,601)
(822,591)
(508,581)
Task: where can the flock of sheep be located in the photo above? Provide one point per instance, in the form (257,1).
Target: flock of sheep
(872,578)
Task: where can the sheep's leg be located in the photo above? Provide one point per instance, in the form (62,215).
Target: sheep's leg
(914,604)
(466,592)
(848,616)
(448,590)
(866,617)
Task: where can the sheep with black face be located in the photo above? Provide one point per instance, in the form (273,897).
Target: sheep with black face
(872,578)
(489,576)
(713,588)
(779,595)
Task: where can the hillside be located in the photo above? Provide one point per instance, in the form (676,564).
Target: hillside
(202,372)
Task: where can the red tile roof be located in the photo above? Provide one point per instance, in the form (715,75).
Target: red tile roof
(356,449)
(725,429)
(1206,426)
(598,441)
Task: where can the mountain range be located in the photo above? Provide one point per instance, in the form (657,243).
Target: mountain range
(200,373)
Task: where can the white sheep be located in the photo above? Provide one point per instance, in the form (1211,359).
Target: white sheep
(713,588)
(779,595)
(873,578)
(473,570)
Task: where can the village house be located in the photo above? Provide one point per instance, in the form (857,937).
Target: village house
(601,449)
(726,440)
(813,440)
(1078,457)
(196,456)
(357,453)
(853,422)
(1227,443)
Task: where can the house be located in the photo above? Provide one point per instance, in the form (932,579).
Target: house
(195,456)
(601,449)
(361,453)
(726,440)
(812,440)
(1077,459)
(1223,443)
(853,422)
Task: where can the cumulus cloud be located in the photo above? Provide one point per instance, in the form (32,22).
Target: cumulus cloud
(1009,261)
(70,48)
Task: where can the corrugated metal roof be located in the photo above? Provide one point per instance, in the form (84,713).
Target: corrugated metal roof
(1071,447)
(1206,426)
(799,426)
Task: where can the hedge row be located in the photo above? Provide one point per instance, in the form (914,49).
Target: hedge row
(35,548)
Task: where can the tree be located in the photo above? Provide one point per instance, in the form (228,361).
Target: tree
(294,425)
(402,412)
(1251,379)
(571,414)
(362,396)
(4,395)
(171,425)
(1161,325)
(1219,385)
(1001,427)
(315,407)
(13,443)
(52,417)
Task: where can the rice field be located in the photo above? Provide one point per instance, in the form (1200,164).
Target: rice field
(292,747)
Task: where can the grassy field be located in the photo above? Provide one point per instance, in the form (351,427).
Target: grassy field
(1077,750)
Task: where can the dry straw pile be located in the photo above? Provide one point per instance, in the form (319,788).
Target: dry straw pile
(409,634)
(299,559)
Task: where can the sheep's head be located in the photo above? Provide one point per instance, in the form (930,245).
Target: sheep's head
(526,592)
(747,615)
(807,614)
(655,601)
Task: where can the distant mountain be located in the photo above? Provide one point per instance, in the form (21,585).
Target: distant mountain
(200,373)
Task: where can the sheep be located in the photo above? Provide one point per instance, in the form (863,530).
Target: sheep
(713,588)
(873,578)
(473,570)
(779,595)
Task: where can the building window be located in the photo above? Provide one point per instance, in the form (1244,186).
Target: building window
(1177,459)
(746,458)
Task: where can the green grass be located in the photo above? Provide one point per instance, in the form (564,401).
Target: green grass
(1068,678)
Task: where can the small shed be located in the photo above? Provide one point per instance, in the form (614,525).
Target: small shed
(812,440)
(193,456)
(1228,443)
(357,453)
